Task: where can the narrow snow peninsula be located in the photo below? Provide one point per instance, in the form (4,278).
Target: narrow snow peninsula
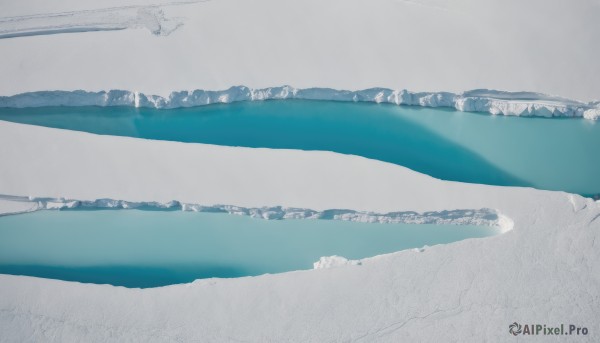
(481,100)
(429,294)
(40,162)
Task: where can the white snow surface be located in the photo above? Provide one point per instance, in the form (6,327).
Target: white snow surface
(545,270)
(549,47)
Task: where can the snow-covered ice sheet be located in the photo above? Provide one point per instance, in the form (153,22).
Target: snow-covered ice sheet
(39,162)
(545,270)
(549,47)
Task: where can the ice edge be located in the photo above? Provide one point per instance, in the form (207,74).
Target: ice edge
(479,100)
(481,217)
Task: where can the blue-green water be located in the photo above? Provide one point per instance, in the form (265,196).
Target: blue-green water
(554,154)
(137,248)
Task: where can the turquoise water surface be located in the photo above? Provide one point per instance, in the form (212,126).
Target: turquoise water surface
(137,248)
(554,154)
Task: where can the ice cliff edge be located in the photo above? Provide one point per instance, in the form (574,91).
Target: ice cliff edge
(481,100)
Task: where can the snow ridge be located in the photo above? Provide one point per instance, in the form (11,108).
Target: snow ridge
(480,100)
(483,217)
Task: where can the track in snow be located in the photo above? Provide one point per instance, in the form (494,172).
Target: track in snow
(150,17)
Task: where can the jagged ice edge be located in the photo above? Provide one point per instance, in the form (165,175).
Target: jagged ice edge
(482,217)
(480,100)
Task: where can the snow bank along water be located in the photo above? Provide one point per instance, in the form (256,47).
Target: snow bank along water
(479,217)
(446,144)
(481,100)
(150,248)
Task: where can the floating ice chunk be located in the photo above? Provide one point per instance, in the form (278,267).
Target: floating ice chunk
(52,205)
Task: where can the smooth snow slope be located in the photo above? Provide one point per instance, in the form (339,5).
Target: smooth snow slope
(421,45)
(545,270)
